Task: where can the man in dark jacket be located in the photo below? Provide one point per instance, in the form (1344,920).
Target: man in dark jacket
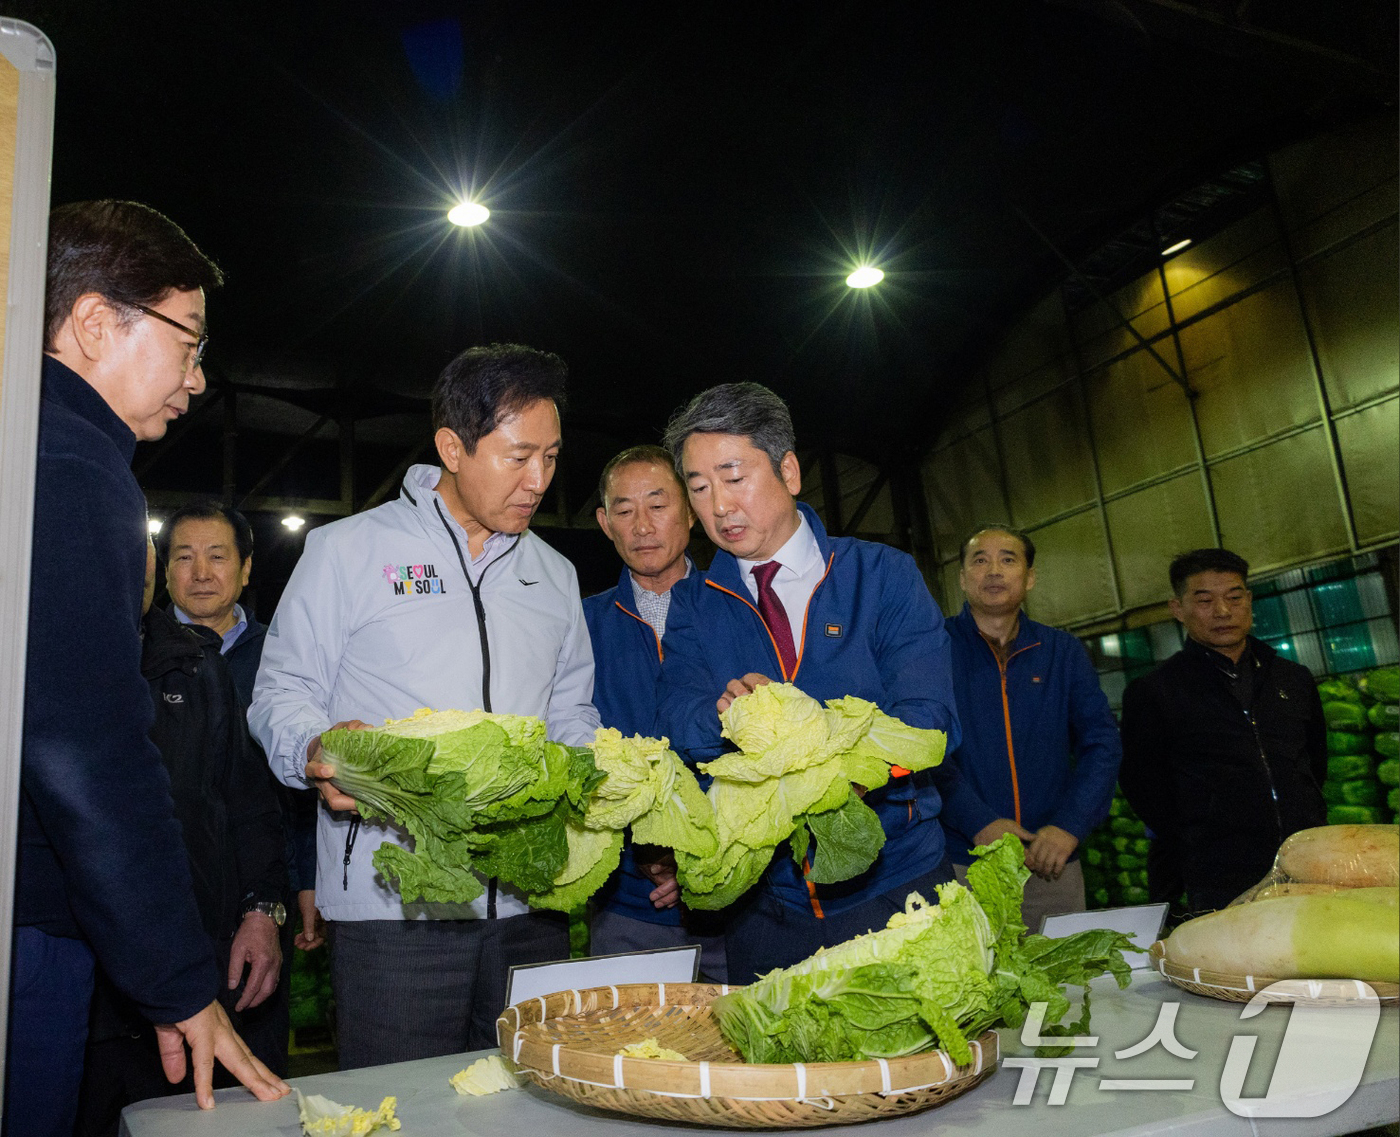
(1039,748)
(101,866)
(645,514)
(232,830)
(1224,746)
(208,554)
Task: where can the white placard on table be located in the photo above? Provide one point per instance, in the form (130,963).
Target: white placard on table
(1141,923)
(661,965)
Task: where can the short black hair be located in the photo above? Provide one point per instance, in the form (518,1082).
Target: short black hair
(484,385)
(636,455)
(749,410)
(1204,560)
(997,527)
(206,509)
(124,251)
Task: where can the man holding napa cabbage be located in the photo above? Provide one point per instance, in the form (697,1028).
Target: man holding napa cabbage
(784,602)
(444,599)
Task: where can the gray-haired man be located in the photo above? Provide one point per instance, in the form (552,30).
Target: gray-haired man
(782,601)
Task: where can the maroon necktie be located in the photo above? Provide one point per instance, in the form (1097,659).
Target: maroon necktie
(771,609)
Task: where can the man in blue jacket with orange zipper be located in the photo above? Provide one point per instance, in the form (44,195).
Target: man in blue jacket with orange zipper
(782,601)
(1040,749)
(645,514)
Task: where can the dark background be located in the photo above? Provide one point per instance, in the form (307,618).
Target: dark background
(678,192)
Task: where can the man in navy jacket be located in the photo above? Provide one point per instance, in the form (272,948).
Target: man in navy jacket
(102,868)
(645,514)
(782,601)
(1040,749)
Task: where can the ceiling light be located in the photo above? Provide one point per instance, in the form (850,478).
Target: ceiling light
(1170,249)
(468,213)
(865,276)
(153,525)
(293,522)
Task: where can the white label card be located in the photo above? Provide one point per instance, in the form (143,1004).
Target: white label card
(663,965)
(1142,923)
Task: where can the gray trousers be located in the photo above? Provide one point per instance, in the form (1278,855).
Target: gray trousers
(407,989)
(611,933)
(1047,897)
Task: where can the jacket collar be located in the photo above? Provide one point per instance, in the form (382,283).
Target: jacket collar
(64,386)
(1260,652)
(419,493)
(1028,632)
(628,598)
(168,645)
(724,569)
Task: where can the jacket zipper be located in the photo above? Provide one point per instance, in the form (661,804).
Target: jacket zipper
(1263,757)
(1268,774)
(659,657)
(475,587)
(1006,719)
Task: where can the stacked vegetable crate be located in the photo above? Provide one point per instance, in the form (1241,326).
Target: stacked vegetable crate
(1115,859)
(1363,746)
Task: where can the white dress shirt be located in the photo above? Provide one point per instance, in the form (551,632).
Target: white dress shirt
(802,569)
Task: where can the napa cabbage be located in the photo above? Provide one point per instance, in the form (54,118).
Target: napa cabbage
(791,780)
(935,975)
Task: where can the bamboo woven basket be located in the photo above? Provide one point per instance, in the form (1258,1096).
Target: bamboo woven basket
(568,1043)
(1242,988)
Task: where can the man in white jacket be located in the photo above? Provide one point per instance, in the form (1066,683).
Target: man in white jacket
(441,599)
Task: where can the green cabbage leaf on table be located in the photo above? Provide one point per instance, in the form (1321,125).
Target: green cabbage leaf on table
(936,976)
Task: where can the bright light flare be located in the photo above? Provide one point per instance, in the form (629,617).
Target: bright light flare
(468,213)
(153,525)
(293,522)
(1182,244)
(865,277)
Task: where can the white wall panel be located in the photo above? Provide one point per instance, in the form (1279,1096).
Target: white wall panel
(1239,257)
(1278,505)
(1142,421)
(1072,581)
(1150,527)
(1048,461)
(1251,366)
(1353,300)
(1368,445)
(962,485)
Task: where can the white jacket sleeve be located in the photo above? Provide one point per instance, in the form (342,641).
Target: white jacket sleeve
(572,718)
(292,695)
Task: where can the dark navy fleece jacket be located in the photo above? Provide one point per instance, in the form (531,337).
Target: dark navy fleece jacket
(100,852)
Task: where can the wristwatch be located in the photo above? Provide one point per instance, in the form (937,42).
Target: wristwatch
(274,910)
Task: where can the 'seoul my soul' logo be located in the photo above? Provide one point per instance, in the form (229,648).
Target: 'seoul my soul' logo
(413,580)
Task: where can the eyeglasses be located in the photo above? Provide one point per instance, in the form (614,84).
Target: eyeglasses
(201,338)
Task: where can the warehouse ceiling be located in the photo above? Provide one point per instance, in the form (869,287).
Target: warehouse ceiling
(677,191)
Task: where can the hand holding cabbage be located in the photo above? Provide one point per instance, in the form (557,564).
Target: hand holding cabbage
(489,794)
(793,779)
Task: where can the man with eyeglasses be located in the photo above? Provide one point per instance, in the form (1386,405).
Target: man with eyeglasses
(1224,744)
(102,868)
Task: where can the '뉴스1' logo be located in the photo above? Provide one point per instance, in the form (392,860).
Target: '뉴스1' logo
(414,580)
